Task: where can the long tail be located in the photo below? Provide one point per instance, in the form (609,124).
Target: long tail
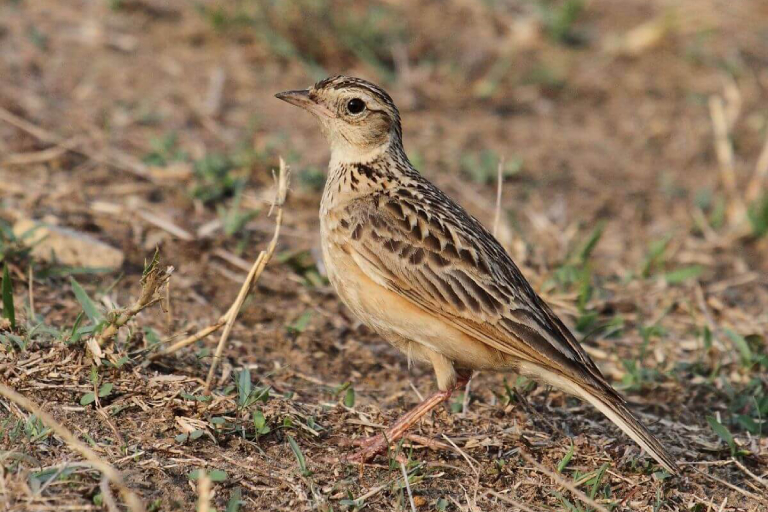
(612,405)
(618,413)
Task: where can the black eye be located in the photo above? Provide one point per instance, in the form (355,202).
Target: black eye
(355,106)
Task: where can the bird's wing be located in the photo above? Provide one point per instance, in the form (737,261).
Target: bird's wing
(425,247)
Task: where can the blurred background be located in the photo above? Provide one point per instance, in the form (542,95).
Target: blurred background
(631,138)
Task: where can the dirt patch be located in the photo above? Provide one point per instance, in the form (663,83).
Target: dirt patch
(150,124)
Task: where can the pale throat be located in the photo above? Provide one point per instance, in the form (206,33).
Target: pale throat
(342,153)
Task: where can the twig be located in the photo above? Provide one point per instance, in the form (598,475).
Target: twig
(509,501)
(55,476)
(461,452)
(118,160)
(133,501)
(191,339)
(203,492)
(281,182)
(106,494)
(408,487)
(165,225)
(750,474)
(561,482)
(45,155)
(730,486)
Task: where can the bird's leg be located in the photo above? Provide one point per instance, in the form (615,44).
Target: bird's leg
(372,446)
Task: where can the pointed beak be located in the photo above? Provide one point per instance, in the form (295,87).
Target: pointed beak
(301,98)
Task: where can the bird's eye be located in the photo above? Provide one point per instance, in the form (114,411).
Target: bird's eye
(355,106)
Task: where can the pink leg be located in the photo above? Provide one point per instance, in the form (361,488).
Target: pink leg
(378,444)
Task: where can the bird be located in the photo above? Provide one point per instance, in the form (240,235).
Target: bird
(415,267)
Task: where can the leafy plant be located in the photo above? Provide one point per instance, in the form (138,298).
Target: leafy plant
(247,394)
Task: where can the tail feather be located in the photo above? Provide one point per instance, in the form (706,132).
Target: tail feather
(618,413)
(612,406)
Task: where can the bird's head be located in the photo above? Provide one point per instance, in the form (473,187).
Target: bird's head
(358,118)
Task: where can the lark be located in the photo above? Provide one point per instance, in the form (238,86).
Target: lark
(424,274)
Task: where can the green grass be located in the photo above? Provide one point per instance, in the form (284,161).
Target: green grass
(315,32)
(483,166)
(559,18)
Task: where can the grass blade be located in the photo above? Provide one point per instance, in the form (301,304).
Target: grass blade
(89,307)
(9,310)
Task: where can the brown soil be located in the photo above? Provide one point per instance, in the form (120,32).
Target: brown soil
(610,119)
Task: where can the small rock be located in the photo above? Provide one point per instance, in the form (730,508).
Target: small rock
(66,246)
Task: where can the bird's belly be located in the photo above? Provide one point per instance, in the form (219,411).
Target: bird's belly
(396,318)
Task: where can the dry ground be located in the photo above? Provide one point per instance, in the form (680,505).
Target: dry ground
(617,203)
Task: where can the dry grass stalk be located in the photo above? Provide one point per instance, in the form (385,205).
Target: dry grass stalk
(724,148)
(515,504)
(131,499)
(562,483)
(757,183)
(203,492)
(106,493)
(117,159)
(151,283)
(228,319)
(408,487)
(281,181)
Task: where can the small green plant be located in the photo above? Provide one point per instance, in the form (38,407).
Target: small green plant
(165,150)
(101,391)
(301,323)
(565,460)
(576,272)
(12,247)
(723,433)
(305,265)
(235,500)
(758,216)
(312,179)
(636,375)
(301,461)
(559,18)
(9,310)
(483,167)
(247,393)
(104,391)
(260,423)
(215,178)
(216,475)
(235,218)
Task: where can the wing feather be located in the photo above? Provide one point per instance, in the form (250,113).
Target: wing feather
(433,253)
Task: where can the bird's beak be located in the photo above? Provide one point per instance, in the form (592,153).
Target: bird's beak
(301,98)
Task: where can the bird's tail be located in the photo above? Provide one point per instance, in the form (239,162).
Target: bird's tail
(612,405)
(616,411)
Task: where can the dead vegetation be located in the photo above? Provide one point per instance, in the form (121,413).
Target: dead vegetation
(632,139)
